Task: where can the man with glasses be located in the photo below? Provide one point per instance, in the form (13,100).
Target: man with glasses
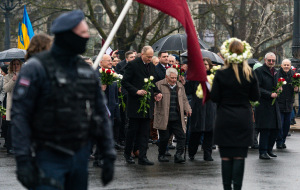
(267,115)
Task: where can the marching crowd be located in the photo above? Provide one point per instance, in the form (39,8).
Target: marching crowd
(173,111)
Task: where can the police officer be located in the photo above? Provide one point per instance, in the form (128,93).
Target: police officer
(58,107)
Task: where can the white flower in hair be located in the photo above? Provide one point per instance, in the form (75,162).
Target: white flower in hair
(233,57)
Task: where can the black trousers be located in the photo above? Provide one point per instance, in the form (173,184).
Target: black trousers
(206,145)
(174,127)
(267,140)
(138,128)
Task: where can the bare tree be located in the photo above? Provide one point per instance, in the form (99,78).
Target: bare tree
(265,24)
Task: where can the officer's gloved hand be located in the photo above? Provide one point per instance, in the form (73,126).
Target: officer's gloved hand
(107,170)
(27,172)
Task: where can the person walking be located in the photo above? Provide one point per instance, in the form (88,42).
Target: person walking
(139,124)
(267,116)
(58,108)
(169,115)
(285,102)
(233,87)
(202,120)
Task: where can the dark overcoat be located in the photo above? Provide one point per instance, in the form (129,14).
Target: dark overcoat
(267,116)
(203,115)
(160,72)
(286,98)
(234,121)
(133,80)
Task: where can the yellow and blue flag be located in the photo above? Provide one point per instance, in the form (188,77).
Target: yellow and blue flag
(25,31)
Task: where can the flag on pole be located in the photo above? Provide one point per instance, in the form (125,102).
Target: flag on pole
(25,31)
(180,10)
(20,38)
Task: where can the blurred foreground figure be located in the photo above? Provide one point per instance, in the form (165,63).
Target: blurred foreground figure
(58,108)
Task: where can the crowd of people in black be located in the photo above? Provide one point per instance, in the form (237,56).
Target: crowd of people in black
(56,92)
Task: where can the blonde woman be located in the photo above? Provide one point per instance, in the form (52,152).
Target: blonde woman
(8,86)
(233,87)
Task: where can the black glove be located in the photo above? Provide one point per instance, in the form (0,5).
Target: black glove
(107,170)
(27,172)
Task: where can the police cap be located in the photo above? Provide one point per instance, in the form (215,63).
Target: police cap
(67,21)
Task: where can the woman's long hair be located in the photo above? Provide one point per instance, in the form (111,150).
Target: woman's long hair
(38,43)
(11,67)
(238,48)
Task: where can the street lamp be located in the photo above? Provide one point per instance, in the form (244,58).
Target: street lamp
(296,35)
(8,6)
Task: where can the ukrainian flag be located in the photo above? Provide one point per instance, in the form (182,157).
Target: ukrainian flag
(25,31)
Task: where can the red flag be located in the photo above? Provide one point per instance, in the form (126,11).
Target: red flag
(180,10)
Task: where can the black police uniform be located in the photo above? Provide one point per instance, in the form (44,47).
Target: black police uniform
(58,107)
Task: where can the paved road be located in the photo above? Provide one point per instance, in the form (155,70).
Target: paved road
(279,173)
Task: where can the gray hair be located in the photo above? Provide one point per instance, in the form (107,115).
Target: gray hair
(171,70)
(286,60)
(270,54)
(146,48)
(172,56)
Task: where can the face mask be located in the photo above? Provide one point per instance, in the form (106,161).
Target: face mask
(69,40)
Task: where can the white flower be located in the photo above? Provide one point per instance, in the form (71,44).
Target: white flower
(284,82)
(120,76)
(234,55)
(100,70)
(115,75)
(151,77)
(199,92)
(145,80)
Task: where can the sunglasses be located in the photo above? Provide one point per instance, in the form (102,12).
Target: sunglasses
(271,60)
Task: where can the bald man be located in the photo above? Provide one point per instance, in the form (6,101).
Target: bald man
(139,124)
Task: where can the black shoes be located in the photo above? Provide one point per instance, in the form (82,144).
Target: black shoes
(208,158)
(162,158)
(178,159)
(171,146)
(98,163)
(119,147)
(283,146)
(155,142)
(271,154)
(192,157)
(279,146)
(264,156)
(168,153)
(145,162)
(129,159)
(255,146)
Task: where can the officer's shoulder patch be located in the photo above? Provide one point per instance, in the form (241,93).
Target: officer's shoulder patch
(24,81)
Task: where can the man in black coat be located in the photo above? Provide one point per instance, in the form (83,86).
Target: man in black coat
(139,124)
(285,102)
(267,119)
(120,67)
(161,67)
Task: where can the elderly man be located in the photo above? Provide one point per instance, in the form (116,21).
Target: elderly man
(111,94)
(172,60)
(267,115)
(285,101)
(139,123)
(58,107)
(169,115)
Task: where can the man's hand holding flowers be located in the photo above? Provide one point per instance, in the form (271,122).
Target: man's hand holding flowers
(278,89)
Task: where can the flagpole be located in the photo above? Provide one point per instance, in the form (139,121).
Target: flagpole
(112,33)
